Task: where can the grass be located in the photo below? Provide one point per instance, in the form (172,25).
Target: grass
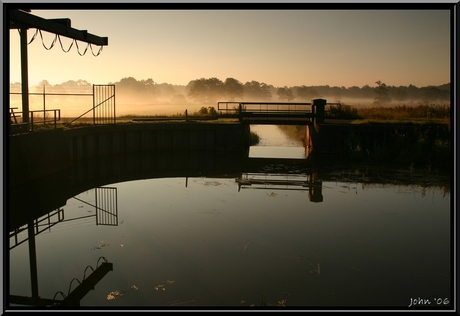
(418,114)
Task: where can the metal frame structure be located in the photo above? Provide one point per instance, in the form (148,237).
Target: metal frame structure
(22,20)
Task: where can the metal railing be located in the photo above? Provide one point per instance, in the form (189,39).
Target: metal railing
(265,107)
(35,117)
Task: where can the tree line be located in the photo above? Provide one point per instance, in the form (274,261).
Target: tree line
(212,90)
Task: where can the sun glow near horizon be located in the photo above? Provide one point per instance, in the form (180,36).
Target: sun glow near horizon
(279,48)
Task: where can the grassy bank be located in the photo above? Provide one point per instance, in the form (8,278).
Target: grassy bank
(417,147)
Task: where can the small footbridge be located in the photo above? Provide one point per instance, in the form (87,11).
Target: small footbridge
(276,113)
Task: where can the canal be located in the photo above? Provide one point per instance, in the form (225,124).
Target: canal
(276,234)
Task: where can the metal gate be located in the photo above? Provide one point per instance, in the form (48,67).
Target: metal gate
(104,104)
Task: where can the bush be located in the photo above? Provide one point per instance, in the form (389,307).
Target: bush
(254,138)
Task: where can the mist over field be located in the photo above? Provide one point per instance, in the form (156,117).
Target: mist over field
(146,97)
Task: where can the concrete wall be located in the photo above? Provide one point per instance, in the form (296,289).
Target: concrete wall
(38,154)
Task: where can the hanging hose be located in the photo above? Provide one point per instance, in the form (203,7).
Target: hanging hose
(57,36)
(43,42)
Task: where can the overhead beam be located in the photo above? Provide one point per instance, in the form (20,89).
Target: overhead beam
(20,19)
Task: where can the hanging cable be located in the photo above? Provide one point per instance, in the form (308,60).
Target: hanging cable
(33,37)
(52,44)
(78,49)
(62,47)
(100,50)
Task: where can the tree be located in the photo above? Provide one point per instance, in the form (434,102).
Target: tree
(257,91)
(206,90)
(431,94)
(400,94)
(233,89)
(304,93)
(285,94)
(382,93)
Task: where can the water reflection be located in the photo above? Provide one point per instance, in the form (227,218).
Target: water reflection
(204,229)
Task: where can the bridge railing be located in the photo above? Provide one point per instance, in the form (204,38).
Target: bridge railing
(265,107)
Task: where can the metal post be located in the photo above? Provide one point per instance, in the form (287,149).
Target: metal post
(94,104)
(33,259)
(44,102)
(318,108)
(114,107)
(24,76)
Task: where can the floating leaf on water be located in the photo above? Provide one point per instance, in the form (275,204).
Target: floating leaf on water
(116,293)
(133,287)
(170,281)
(100,244)
(156,288)
(282,302)
(110,297)
(121,245)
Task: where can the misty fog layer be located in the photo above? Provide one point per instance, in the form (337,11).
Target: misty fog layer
(146,97)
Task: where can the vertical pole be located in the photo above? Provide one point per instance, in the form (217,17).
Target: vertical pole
(97,210)
(94,103)
(318,109)
(114,107)
(44,102)
(24,76)
(241,113)
(33,259)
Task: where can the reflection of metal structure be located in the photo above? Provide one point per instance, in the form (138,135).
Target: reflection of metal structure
(39,225)
(106,206)
(283,181)
(72,298)
(106,214)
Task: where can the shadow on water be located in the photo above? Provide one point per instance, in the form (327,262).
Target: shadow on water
(38,206)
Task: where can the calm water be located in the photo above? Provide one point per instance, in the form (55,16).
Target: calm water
(300,237)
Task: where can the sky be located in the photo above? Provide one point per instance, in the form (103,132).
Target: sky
(278,47)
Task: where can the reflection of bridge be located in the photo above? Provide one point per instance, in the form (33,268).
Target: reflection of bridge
(283,181)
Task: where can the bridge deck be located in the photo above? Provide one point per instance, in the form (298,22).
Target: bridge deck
(281,113)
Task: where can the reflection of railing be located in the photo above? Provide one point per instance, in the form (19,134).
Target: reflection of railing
(274,181)
(106,206)
(39,224)
(283,181)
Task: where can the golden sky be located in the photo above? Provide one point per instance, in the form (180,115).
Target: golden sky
(278,47)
